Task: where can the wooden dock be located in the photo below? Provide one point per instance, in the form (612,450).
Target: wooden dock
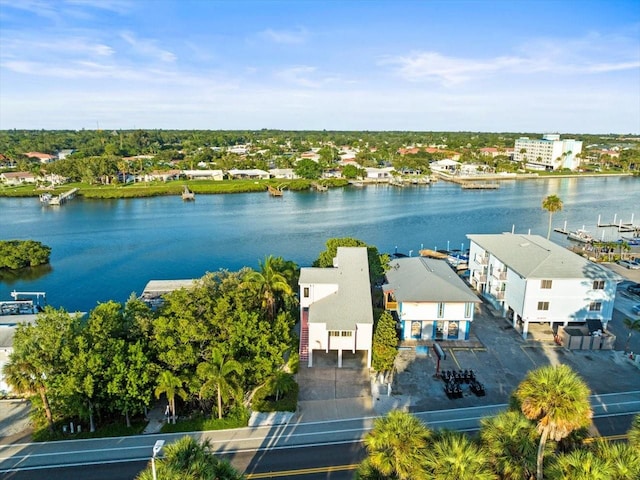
(50,200)
(274,192)
(479,186)
(319,187)
(623,227)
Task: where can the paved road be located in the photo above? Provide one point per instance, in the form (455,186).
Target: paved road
(293,446)
(303,463)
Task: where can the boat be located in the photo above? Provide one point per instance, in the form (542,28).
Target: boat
(631,241)
(580,235)
(187,194)
(45,198)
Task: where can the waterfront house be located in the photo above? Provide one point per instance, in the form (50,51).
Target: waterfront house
(445,165)
(429,299)
(17,178)
(533,280)
(336,314)
(203,174)
(254,174)
(162,175)
(385,173)
(284,173)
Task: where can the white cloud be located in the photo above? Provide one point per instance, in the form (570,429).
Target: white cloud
(593,54)
(289,37)
(147,47)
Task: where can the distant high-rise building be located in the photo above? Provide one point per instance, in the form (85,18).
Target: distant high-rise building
(547,153)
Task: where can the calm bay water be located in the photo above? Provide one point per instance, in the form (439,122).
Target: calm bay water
(106,249)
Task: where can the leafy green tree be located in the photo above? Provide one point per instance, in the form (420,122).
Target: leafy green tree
(36,360)
(16,254)
(511,441)
(385,343)
(307,168)
(219,377)
(351,171)
(558,400)
(187,459)
(131,378)
(171,385)
(551,204)
(377,261)
(452,456)
(396,446)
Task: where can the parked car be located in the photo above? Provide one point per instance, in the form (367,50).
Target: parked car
(636,309)
(628,264)
(635,289)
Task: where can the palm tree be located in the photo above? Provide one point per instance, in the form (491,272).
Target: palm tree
(634,432)
(453,456)
(581,464)
(268,282)
(218,376)
(623,458)
(282,383)
(25,379)
(188,459)
(511,441)
(633,326)
(558,400)
(170,385)
(551,204)
(397,445)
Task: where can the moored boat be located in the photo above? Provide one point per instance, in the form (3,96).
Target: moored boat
(580,235)
(188,194)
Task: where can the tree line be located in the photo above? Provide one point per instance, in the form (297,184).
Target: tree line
(209,349)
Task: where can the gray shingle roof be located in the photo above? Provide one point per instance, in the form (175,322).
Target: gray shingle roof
(532,256)
(351,303)
(421,279)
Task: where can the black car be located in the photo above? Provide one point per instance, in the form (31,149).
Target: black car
(635,288)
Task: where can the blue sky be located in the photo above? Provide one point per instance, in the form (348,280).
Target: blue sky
(534,66)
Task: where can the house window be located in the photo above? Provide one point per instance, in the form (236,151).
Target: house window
(595,306)
(346,333)
(305,292)
(440,310)
(598,284)
(468,308)
(334,333)
(543,305)
(546,284)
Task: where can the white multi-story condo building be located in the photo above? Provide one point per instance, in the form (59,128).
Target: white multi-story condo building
(533,280)
(547,153)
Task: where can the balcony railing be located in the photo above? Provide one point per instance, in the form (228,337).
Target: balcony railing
(392,305)
(480,278)
(481,259)
(499,295)
(499,274)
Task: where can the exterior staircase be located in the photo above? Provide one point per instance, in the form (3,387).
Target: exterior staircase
(304,336)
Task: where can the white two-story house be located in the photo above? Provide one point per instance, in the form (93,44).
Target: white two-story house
(430,299)
(533,280)
(336,314)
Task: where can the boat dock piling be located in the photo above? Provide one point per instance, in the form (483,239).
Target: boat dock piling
(626,227)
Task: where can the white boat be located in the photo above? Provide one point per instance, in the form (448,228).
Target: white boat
(580,235)
(45,198)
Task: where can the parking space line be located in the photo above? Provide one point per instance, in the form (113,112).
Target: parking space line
(454,357)
(524,350)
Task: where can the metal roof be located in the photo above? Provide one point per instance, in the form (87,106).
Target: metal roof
(532,256)
(421,279)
